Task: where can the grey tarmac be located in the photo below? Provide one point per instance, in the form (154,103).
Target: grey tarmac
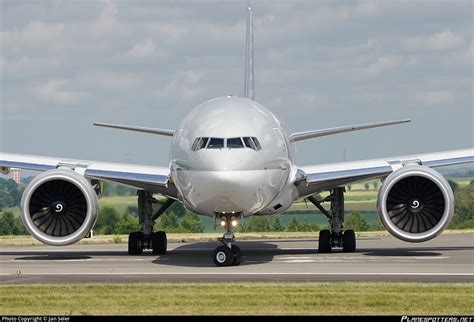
(448,258)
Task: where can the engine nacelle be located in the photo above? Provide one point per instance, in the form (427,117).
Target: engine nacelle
(415,203)
(59,207)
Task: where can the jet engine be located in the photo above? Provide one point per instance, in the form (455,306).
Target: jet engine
(59,207)
(415,203)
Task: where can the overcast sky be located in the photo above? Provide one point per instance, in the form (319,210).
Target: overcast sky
(66,64)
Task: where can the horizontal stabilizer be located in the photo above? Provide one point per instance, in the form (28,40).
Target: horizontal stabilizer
(299,136)
(138,129)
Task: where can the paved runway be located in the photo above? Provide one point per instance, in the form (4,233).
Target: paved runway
(449,258)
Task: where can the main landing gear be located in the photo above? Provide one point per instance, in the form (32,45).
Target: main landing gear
(146,238)
(336,237)
(227,254)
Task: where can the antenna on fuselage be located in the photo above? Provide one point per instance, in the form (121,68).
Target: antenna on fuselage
(249,84)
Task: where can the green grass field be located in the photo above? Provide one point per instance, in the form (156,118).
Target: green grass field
(239,299)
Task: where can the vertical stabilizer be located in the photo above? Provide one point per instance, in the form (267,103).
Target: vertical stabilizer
(249,85)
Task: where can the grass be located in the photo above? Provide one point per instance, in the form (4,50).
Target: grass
(190,237)
(340,298)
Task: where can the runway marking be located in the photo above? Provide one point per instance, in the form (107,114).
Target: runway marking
(249,273)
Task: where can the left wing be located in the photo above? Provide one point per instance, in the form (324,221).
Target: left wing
(153,179)
(316,178)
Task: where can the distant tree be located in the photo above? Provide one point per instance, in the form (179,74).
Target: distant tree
(464,206)
(10,225)
(5,200)
(276,224)
(307,226)
(125,191)
(178,209)
(107,220)
(132,210)
(127,224)
(366,186)
(356,222)
(192,223)
(293,225)
(454,186)
(349,187)
(376,185)
(167,221)
(257,224)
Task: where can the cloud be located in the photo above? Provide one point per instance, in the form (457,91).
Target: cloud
(142,50)
(443,40)
(34,34)
(112,80)
(369,7)
(186,85)
(107,24)
(27,65)
(436,97)
(51,92)
(383,64)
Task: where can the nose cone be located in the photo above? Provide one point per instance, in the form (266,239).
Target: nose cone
(211,192)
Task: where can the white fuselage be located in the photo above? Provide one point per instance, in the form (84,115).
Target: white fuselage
(241,180)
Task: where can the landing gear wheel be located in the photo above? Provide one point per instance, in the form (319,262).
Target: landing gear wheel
(223,256)
(135,243)
(159,242)
(237,255)
(348,241)
(324,245)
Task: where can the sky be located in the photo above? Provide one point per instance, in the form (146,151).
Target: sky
(318,64)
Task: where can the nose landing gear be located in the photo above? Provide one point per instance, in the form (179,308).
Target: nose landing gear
(227,254)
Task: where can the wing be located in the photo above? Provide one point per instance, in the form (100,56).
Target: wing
(154,179)
(313,179)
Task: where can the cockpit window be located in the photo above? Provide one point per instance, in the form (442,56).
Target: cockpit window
(215,143)
(257,144)
(235,143)
(230,143)
(199,143)
(252,143)
(249,143)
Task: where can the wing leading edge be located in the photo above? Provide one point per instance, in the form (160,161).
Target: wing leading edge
(312,179)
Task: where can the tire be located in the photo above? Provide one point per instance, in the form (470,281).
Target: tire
(324,245)
(348,241)
(237,255)
(223,256)
(135,243)
(159,243)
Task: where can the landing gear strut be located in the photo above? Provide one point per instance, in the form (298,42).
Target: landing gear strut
(227,254)
(336,237)
(146,238)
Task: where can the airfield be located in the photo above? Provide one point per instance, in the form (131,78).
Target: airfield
(448,258)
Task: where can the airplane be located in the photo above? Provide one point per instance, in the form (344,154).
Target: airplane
(231,158)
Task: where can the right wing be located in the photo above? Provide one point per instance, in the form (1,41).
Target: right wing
(316,178)
(153,179)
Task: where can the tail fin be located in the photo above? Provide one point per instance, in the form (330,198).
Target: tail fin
(249,85)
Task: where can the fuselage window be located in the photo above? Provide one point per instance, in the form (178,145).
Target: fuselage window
(215,143)
(235,143)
